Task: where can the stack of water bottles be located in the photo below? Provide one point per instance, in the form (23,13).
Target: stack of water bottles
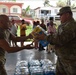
(21,68)
(48,67)
(35,67)
(34,63)
(36,70)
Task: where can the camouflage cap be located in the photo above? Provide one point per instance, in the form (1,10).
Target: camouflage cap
(64,10)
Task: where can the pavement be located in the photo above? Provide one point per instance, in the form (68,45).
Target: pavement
(13,58)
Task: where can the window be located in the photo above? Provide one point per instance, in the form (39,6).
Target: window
(15,10)
(45,12)
(42,11)
(4,10)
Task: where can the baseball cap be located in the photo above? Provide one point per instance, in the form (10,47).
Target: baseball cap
(64,10)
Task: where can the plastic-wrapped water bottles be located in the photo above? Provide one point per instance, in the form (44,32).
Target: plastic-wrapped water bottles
(45,62)
(39,30)
(48,70)
(43,42)
(34,63)
(21,68)
(47,67)
(36,70)
(21,71)
(35,67)
(22,63)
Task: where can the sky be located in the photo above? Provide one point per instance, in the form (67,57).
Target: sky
(35,3)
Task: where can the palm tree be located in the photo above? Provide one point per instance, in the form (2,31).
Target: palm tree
(26,11)
(46,3)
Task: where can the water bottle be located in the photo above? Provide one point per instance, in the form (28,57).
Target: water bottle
(34,63)
(21,71)
(36,70)
(39,30)
(48,70)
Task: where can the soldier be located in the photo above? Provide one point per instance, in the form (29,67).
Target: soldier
(65,43)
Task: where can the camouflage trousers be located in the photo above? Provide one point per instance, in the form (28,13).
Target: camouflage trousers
(2,69)
(64,67)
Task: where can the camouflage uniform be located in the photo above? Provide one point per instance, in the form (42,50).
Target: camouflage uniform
(65,44)
(3,35)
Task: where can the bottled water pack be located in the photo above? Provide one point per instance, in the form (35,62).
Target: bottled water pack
(35,67)
(39,30)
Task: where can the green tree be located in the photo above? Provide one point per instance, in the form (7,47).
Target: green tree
(61,3)
(46,3)
(14,0)
(26,11)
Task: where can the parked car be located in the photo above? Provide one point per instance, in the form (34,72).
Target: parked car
(17,19)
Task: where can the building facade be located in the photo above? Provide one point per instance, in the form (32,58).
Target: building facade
(11,8)
(46,12)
